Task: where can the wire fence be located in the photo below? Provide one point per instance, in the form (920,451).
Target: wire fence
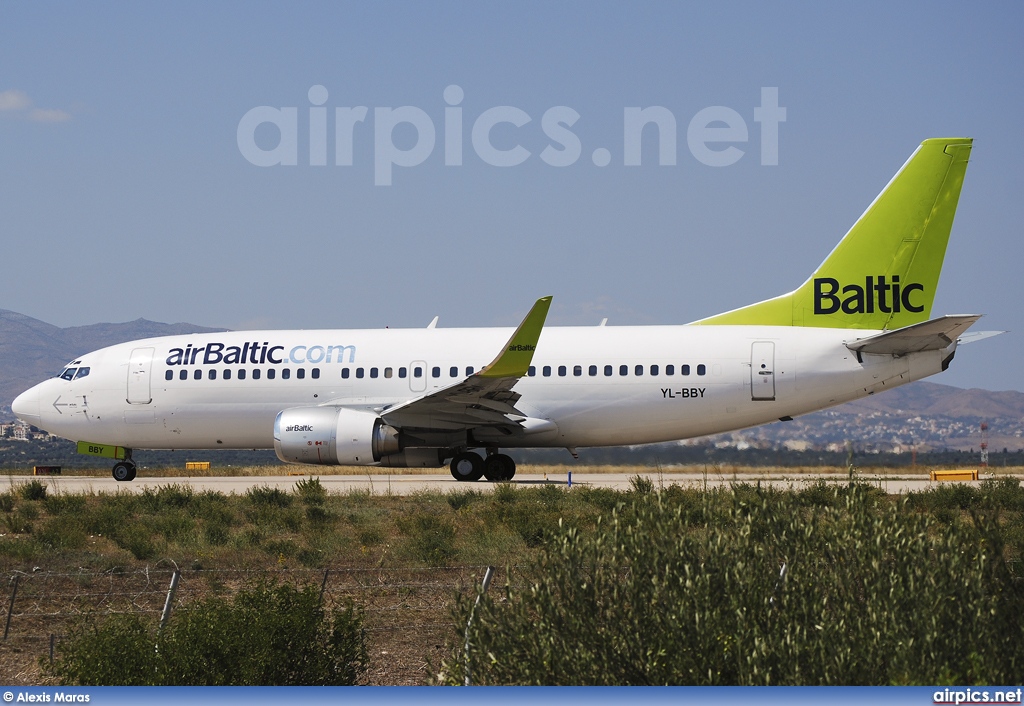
(406,609)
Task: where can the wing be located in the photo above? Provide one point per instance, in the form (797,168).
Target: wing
(484,399)
(926,336)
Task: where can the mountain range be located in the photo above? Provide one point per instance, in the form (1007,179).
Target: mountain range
(32,350)
(922,415)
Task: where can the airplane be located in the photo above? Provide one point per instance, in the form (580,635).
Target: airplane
(423,397)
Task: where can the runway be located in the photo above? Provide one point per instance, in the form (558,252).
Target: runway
(408,484)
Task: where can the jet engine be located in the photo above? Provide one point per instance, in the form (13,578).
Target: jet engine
(333,436)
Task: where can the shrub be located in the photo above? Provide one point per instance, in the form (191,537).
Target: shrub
(311,491)
(871,594)
(33,490)
(266,496)
(267,635)
(641,485)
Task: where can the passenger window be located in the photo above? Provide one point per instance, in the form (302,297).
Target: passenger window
(169,375)
(547,371)
(435,372)
(469,370)
(417,372)
(389,373)
(623,370)
(227,374)
(654,370)
(316,373)
(402,372)
(593,370)
(286,374)
(359,373)
(183,375)
(68,374)
(561,371)
(198,375)
(532,371)
(607,371)
(344,373)
(82,372)
(241,373)
(701,369)
(577,370)
(271,373)
(639,370)
(373,373)
(300,373)
(453,372)
(256,374)
(670,370)
(684,369)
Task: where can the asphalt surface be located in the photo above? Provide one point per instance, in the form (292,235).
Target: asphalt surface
(415,483)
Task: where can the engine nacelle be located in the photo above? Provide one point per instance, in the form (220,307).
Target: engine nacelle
(333,436)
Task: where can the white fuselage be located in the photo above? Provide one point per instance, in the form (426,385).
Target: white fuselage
(202,391)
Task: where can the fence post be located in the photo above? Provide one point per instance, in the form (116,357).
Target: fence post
(166,614)
(323,587)
(10,607)
(488,575)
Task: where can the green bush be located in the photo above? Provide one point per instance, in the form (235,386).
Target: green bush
(311,491)
(266,496)
(871,593)
(267,635)
(642,485)
(33,490)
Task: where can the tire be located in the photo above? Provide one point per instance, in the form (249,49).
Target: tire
(467,466)
(123,471)
(134,473)
(499,468)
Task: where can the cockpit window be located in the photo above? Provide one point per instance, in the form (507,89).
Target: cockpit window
(67,373)
(82,372)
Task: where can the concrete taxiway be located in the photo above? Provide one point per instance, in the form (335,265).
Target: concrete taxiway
(398,484)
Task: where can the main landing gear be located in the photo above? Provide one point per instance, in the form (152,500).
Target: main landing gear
(125,470)
(468,466)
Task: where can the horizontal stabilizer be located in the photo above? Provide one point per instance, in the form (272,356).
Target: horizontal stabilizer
(926,336)
(975,336)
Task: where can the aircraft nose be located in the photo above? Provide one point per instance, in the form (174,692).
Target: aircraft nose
(26,406)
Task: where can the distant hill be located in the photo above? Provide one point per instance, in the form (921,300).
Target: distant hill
(923,415)
(31,350)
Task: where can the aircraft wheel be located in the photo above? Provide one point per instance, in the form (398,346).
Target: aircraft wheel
(467,466)
(124,471)
(499,468)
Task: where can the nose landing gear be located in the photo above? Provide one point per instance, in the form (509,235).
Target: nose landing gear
(124,470)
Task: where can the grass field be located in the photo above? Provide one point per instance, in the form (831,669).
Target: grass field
(405,558)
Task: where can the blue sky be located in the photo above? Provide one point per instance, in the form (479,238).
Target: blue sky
(124,192)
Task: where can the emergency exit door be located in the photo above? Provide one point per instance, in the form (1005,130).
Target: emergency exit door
(762,370)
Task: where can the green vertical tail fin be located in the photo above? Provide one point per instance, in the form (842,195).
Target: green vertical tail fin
(883,273)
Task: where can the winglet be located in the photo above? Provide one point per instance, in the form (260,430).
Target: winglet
(515,359)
